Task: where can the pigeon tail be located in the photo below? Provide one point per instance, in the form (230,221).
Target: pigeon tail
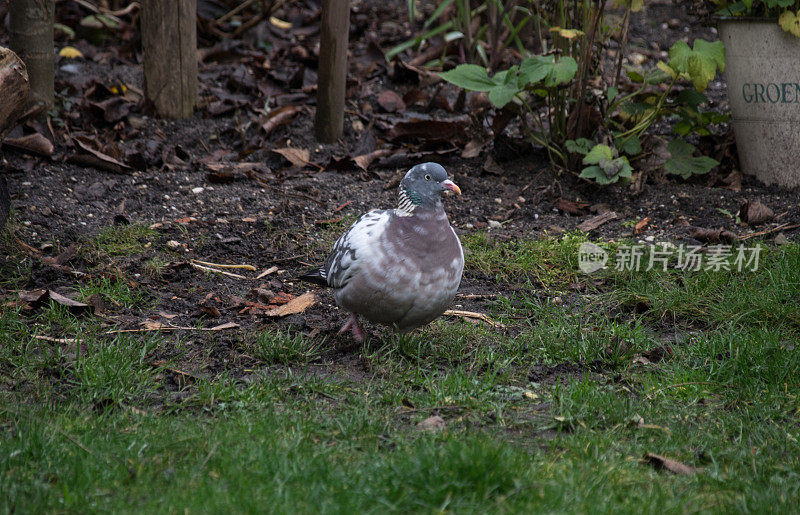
(316,276)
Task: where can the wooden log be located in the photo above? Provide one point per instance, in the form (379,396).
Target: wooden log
(14,89)
(331,84)
(169,44)
(31,29)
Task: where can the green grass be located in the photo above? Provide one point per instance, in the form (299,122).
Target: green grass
(282,347)
(767,297)
(118,291)
(553,414)
(544,262)
(119,240)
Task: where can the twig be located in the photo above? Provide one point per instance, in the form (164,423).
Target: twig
(476,295)
(55,340)
(270,270)
(782,227)
(163,327)
(218,265)
(236,10)
(472,314)
(223,272)
(284,260)
(28,248)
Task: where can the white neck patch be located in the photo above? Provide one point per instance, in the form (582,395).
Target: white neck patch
(404,205)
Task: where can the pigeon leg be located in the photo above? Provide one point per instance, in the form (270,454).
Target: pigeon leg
(353,326)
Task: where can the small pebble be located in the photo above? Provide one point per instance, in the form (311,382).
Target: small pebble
(174,245)
(198,189)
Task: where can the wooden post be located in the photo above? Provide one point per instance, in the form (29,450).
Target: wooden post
(14,92)
(31,28)
(14,89)
(169,44)
(331,84)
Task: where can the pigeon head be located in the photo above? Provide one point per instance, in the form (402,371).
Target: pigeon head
(424,184)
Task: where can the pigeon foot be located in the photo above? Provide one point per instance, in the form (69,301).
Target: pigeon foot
(354,327)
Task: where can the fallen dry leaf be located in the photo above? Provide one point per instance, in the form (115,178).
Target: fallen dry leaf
(573,208)
(491,166)
(474,148)
(712,235)
(294,306)
(32,143)
(38,297)
(97,158)
(33,296)
(754,213)
(642,225)
(96,302)
(278,117)
(662,462)
(297,156)
(596,221)
(363,161)
(282,298)
(734,180)
(391,101)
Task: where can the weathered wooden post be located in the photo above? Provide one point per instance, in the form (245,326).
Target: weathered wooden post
(169,45)
(14,89)
(331,84)
(14,92)
(31,28)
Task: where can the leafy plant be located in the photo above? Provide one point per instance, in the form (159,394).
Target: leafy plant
(552,91)
(605,166)
(787,11)
(681,161)
(479,32)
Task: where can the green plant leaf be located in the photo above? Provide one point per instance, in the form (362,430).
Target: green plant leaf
(683,163)
(545,68)
(563,71)
(607,168)
(608,171)
(534,69)
(470,77)
(596,174)
(699,64)
(500,95)
(790,22)
(597,153)
(631,146)
(99,21)
(579,146)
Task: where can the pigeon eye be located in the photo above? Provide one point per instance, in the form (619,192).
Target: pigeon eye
(427,177)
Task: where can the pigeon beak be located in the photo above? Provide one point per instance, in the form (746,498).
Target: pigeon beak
(450,185)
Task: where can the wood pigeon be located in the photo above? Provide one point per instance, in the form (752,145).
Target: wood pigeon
(399,267)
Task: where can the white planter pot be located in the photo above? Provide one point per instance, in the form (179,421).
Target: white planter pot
(763,77)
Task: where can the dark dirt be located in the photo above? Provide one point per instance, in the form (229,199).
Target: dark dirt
(271,213)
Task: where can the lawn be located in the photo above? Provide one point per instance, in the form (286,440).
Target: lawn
(553,412)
